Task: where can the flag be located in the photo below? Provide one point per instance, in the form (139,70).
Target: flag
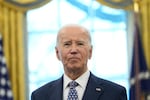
(140,75)
(5,89)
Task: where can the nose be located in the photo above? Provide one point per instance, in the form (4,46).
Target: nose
(74,49)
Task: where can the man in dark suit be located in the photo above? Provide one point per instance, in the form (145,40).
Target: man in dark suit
(73,49)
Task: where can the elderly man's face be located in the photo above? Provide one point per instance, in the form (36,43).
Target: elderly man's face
(74,48)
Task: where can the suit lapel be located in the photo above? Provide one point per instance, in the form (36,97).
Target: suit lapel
(93,90)
(57,90)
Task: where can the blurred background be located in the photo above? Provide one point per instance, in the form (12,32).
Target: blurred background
(120,37)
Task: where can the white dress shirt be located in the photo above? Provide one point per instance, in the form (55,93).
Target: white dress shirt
(82,81)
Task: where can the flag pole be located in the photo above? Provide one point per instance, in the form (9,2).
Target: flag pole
(137,34)
(136,51)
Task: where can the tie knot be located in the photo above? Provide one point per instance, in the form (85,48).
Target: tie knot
(73,84)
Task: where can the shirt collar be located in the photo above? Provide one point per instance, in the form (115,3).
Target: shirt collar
(82,80)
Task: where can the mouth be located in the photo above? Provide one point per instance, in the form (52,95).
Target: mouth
(74,59)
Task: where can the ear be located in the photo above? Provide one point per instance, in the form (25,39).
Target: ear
(57,53)
(90,52)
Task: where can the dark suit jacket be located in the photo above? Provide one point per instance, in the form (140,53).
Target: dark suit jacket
(97,89)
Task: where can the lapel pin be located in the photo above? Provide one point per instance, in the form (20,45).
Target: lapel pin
(98,89)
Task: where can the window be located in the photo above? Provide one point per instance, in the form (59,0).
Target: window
(108,31)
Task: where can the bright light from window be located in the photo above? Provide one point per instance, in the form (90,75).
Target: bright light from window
(108,32)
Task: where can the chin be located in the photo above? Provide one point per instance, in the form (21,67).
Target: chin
(74,68)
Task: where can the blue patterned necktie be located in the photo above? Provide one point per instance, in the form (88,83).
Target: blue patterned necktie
(72,95)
